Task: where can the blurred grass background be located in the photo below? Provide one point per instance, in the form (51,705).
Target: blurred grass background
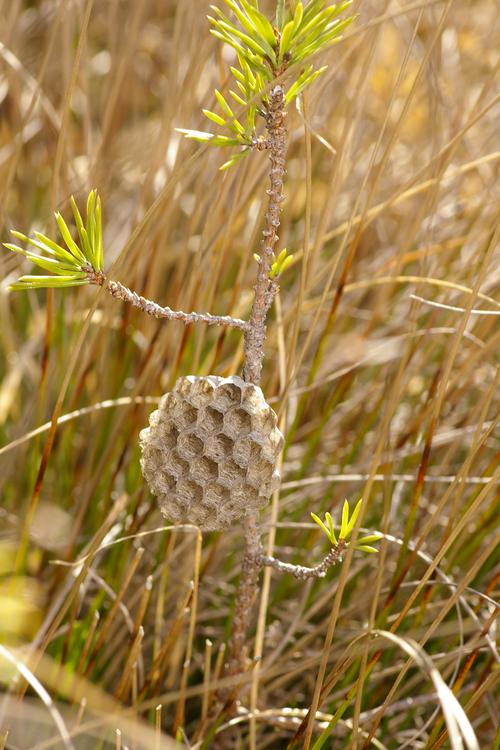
(392,204)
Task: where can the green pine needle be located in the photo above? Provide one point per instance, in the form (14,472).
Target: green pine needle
(345,520)
(331,529)
(214,117)
(320,523)
(46,282)
(354,517)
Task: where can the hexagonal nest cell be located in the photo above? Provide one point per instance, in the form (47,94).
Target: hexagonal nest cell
(184,414)
(230,473)
(205,470)
(189,446)
(210,420)
(237,422)
(219,447)
(209,453)
(246,451)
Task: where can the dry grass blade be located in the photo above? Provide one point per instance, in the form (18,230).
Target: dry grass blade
(42,693)
(459,727)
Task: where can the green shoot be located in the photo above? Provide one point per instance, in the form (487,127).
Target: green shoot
(266,54)
(68,265)
(346,527)
(282,262)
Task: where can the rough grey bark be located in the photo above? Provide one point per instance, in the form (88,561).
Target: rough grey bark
(247,590)
(266,288)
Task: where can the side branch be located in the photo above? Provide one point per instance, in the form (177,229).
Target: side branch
(301,571)
(121,292)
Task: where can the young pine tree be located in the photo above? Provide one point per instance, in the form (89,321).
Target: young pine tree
(211,449)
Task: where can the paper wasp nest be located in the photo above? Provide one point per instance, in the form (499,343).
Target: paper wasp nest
(209,453)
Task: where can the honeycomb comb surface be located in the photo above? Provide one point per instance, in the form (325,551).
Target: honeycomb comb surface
(210,451)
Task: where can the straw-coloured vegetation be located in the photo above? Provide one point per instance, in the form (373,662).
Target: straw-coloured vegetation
(362,314)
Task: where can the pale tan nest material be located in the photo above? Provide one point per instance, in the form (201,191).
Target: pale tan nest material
(210,451)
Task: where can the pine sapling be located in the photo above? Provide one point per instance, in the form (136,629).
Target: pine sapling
(210,451)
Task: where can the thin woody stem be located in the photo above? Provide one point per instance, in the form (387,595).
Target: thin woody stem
(251,565)
(266,288)
(255,336)
(301,571)
(121,292)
